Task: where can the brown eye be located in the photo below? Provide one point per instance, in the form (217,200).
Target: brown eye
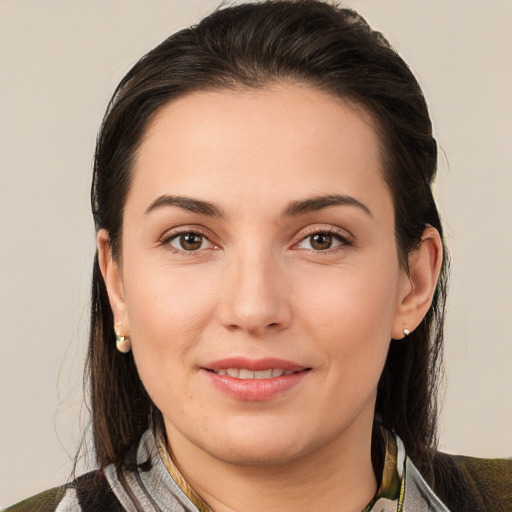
(189,242)
(321,241)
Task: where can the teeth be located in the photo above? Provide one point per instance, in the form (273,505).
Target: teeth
(244,374)
(263,374)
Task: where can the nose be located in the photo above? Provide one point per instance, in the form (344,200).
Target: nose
(256,297)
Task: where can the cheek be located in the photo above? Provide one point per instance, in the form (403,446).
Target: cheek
(355,298)
(167,310)
(350,315)
(163,299)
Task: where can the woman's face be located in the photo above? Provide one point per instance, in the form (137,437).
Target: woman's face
(260,282)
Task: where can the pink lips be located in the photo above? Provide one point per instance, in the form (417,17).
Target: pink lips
(258,386)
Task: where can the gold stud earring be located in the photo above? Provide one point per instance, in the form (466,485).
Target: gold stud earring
(123,343)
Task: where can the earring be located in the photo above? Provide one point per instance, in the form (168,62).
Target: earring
(123,343)
(406,332)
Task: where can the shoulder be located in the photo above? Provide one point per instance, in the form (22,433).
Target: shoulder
(90,491)
(46,501)
(470,483)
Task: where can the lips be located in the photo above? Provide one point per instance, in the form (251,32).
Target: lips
(254,380)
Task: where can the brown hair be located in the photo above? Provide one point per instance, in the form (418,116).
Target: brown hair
(251,45)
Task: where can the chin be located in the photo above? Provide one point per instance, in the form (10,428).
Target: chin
(255,455)
(264,446)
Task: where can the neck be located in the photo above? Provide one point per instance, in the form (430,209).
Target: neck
(340,472)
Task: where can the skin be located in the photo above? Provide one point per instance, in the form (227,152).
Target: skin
(256,285)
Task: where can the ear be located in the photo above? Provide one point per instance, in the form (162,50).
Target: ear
(419,283)
(113,281)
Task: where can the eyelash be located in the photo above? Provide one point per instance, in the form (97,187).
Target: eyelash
(343,239)
(169,237)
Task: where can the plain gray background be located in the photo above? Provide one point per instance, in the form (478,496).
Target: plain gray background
(60,61)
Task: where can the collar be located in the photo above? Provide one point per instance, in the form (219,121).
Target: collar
(390,493)
(177,476)
(158,483)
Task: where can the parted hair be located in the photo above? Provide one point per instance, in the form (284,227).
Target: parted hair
(307,42)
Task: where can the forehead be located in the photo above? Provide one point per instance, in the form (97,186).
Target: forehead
(282,141)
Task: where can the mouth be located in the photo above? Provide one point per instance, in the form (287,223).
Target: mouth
(255,380)
(246,374)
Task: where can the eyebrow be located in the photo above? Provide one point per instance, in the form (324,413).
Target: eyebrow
(294,207)
(185,203)
(315,204)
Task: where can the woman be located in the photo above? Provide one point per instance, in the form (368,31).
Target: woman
(269,287)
